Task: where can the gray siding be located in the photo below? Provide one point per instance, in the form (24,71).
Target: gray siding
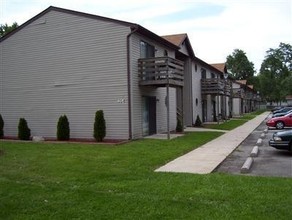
(188,93)
(138,92)
(196,89)
(65,64)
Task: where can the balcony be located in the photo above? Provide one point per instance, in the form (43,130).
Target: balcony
(215,86)
(160,72)
(237,93)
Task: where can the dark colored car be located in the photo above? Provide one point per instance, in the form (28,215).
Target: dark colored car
(276,108)
(280,122)
(281,114)
(282,140)
(286,109)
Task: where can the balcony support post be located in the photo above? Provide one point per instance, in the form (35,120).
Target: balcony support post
(168,114)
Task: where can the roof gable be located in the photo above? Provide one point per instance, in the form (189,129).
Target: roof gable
(178,40)
(133,27)
(220,66)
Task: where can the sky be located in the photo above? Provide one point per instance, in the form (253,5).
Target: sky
(214,27)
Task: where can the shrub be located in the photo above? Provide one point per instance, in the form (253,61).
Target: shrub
(23,130)
(198,122)
(63,129)
(179,127)
(1,127)
(99,126)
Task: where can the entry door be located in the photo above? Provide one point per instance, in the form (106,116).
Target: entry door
(204,108)
(149,115)
(214,111)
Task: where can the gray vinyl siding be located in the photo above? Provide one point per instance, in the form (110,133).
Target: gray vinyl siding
(138,92)
(196,90)
(187,94)
(65,64)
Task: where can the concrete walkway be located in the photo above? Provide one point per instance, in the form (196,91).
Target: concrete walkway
(206,158)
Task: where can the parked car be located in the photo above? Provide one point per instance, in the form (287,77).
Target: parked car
(281,114)
(276,108)
(282,140)
(286,109)
(280,122)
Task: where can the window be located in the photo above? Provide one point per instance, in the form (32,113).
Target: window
(165,53)
(203,73)
(213,75)
(146,50)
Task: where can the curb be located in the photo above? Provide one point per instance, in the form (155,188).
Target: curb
(255,151)
(247,165)
(259,142)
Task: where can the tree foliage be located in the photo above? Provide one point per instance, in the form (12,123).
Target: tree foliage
(276,73)
(99,126)
(239,66)
(5,29)
(63,128)
(23,130)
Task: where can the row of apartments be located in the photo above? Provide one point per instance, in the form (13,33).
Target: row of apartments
(67,62)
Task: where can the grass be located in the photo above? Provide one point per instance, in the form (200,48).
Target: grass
(234,122)
(82,181)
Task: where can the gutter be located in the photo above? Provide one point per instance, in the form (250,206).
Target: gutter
(133,30)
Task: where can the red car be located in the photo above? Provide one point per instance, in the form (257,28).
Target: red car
(280,122)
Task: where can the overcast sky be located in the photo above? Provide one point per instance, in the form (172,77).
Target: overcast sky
(215,27)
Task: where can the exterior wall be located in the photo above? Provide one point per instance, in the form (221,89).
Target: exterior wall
(188,94)
(237,102)
(65,64)
(138,92)
(196,89)
(236,107)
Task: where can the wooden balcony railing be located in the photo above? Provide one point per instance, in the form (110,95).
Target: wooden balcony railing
(215,86)
(237,93)
(160,71)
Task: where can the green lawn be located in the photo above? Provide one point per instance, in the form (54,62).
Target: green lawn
(234,122)
(83,181)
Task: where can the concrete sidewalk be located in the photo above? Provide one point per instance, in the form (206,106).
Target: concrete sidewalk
(206,158)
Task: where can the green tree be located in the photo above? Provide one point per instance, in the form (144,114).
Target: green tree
(63,128)
(23,130)
(5,29)
(276,73)
(99,126)
(239,66)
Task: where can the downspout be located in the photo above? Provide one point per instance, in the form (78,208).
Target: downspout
(129,81)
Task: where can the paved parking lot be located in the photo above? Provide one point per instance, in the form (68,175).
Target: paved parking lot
(270,161)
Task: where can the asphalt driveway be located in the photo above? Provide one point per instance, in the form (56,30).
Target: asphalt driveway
(269,162)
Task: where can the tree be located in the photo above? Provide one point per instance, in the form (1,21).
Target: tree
(63,129)
(23,130)
(5,29)
(276,73)
(239,66)
(1,127)
(99,126)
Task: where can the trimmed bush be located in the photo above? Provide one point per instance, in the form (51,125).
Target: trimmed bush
(1,127)
(198,122)
(99,126)
(63,128)
(23,130)
(179,127)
